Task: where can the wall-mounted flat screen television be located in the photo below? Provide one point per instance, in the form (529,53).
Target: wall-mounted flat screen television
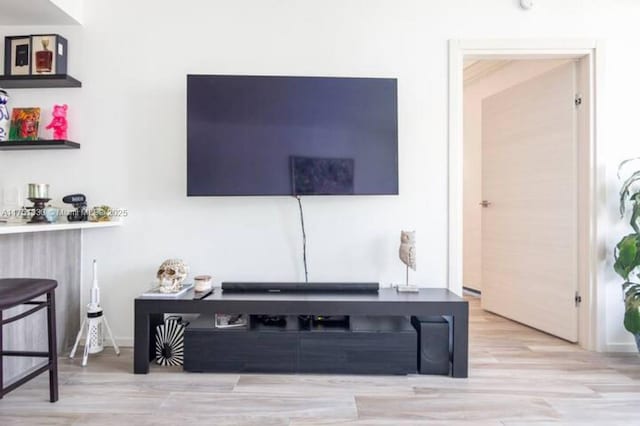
(260,135)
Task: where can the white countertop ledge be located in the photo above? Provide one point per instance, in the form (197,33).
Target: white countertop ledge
(22,228)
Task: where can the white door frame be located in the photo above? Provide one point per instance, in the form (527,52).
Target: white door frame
(591,315)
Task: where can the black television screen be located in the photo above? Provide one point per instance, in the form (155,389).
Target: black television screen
(258,135)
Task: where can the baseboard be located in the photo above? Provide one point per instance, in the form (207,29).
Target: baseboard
(123,342)
(620,347)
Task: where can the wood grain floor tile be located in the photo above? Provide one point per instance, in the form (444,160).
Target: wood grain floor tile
(93,399)
(565,422)
(326,385)
(390,421)
(455,408)
(155,382)
(602,410)
(606,390)
(177,419)
(30,419)
(514,386)
(269,404)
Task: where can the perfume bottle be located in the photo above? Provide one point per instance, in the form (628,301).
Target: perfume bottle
(44,57)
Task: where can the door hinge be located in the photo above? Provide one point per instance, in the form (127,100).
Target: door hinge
(578,299)
(577,100)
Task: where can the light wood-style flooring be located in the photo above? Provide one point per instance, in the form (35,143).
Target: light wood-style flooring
(518,376)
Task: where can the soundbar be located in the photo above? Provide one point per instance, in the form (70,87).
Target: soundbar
(293,287)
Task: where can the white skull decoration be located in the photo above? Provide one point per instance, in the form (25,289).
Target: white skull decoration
(171,274)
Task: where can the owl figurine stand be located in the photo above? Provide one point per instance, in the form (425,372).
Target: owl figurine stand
(408,257)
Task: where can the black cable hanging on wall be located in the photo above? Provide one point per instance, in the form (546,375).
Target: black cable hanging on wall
(304,240)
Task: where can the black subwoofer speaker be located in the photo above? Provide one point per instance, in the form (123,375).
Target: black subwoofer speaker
(434,344)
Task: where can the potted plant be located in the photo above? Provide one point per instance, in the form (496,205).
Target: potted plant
(627,251)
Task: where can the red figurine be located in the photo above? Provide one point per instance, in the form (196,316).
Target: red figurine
(59,122)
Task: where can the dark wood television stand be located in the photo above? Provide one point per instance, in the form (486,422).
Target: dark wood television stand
(386,303)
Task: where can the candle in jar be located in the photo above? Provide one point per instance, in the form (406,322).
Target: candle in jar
(38,190)
(202,283)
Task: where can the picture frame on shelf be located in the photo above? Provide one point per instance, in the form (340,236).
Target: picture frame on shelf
(17,55)
(24,124)
(49,54)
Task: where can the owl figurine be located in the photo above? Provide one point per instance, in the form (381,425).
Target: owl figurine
(408,248)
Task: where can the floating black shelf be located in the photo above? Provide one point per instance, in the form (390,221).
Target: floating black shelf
(38,81)
(38,144)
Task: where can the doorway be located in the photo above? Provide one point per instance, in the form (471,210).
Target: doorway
(528,250)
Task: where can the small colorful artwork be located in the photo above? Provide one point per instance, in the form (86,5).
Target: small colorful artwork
(59,122)
(24,124)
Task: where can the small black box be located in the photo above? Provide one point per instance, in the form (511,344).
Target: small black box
(434,344)
(17,55)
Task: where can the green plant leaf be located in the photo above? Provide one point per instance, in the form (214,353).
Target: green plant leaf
(624,163)
(632,297)
(627,251)
(632,320)
(630,286)
(635,214)
(626,255)
(624,190)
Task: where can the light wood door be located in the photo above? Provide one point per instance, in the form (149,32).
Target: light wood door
(530,227)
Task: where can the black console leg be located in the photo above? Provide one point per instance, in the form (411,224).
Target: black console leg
(461,342)
(141,342)
(143,339)
(154,321)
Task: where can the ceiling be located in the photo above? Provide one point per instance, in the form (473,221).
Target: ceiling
(33,12)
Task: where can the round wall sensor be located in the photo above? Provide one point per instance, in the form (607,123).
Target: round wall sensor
(526,4)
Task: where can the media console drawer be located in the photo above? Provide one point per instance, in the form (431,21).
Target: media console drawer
(240,352)
(371,345)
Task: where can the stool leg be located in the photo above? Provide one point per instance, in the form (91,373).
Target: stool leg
(1,359)
(53,350)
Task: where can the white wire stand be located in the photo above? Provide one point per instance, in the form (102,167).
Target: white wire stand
(96,323)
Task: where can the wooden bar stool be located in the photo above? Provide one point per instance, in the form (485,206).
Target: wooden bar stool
(23,291)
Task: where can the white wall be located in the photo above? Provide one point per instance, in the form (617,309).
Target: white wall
(475,91)
(130,118)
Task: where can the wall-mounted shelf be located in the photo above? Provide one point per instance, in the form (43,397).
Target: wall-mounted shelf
(38,81)
(22,228)
(38,144)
